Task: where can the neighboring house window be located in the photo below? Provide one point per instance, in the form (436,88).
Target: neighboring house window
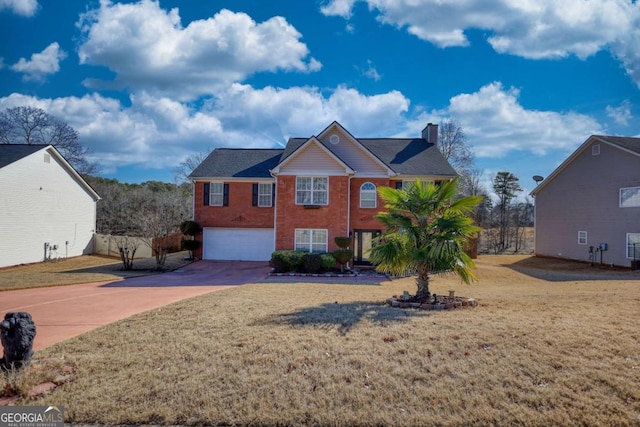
(312,190)
(582,237)
(595,150)
(310,240)
(216,194)
(368,195)
(263,194)
(633,245)
(630,197)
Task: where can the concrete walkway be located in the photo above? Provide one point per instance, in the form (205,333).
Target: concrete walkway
(63,312)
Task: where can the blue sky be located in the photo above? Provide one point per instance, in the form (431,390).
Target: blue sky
(148,83)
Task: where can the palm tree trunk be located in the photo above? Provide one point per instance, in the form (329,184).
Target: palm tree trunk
(423,284)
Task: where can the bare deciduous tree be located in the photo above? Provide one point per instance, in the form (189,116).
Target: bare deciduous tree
(452,143)
(182,171)
(30,125)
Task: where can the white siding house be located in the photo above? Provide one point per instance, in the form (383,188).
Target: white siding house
(46,209)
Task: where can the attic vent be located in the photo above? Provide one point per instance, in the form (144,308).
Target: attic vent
(334,139)
(595,150)
(47,158)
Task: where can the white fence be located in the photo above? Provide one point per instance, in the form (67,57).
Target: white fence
(104,244)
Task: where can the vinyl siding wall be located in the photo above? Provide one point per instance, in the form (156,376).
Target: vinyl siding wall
(41,202)
(585,197)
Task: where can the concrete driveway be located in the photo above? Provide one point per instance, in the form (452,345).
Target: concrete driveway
(66,311)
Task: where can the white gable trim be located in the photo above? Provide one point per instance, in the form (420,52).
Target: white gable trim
(335,125)
(312,141)
(50,149)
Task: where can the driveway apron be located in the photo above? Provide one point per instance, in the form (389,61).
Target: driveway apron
(63,312)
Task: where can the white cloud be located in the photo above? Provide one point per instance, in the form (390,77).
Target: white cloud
(157,132)
(20,7)
(531,29)
(621,114)
(497,125)
(149,49)
(338,8)
(41,64)
(371,72)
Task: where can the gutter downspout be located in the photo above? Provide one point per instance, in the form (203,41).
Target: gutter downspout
(275,210)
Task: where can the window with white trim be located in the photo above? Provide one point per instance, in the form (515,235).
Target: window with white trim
(265,193)
(582,237)
(312,190)
(216,194)
(630,197)
(595,150)
(368,195)
(633,245)
(311,240)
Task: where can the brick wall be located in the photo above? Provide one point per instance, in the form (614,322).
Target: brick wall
(239,213)
(332,217)
(363,218)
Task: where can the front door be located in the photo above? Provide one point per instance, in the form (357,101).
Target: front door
(363,241)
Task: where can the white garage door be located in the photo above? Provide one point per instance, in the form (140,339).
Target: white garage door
(238,244)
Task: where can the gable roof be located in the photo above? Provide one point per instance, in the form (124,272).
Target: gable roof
(10,153)
(319,144)
(402,156)
(238,163)
(410,156)
(627,144)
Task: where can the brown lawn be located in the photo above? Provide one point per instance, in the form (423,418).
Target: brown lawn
(82,269)
(551,343)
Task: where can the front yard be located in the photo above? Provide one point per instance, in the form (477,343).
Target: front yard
(555,346)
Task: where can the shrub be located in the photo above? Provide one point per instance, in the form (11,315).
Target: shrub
(342,242)
(190,228)
(279,262)
(328,262)
(191,245)
(285,261)
(343,256)
(312,263)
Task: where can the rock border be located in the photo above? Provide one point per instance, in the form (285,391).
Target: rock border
(448,303)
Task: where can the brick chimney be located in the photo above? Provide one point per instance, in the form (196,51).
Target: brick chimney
(430,133)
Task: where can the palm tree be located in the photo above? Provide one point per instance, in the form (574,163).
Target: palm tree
(425,233)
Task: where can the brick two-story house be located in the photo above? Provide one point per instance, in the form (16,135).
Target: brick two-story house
(251,202)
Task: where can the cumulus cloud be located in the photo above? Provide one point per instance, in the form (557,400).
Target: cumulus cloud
(149,49)
(20,7)
(620,114)
(158,132)
(41,64)
(530,29)
(496,124)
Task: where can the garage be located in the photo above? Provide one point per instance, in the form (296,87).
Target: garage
(238,244)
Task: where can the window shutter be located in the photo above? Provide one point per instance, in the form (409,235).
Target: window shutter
(225,195)
(273,195)
(207,189)
(254,195)
(398,185)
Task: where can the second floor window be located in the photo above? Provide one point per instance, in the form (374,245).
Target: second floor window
(368,195)
(264,194)
(630,197)
(312,190)
(216,194)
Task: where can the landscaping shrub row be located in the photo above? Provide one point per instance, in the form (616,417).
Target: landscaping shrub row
(301,262)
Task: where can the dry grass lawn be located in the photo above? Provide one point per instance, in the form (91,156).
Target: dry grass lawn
(545,347)
(82,269)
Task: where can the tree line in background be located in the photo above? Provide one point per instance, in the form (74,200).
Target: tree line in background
(504,218)
(155,210)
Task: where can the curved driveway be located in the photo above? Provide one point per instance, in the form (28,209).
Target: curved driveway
(63,312)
